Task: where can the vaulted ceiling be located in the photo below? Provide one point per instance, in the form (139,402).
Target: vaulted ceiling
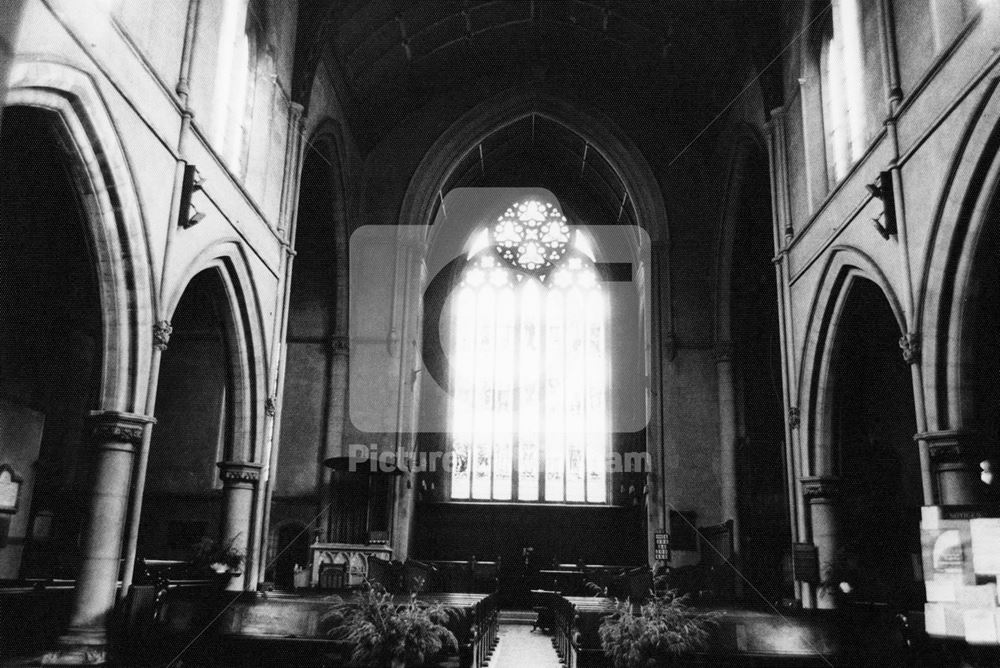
(681,60)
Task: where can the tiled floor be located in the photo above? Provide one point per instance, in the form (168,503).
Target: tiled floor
(520,647)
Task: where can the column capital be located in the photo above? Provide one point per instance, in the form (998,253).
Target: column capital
(820,488)
(239,473)
(117,427)
(952,445)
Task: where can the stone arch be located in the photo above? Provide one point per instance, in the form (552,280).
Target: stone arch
(751,430)
(963,214)
(444,157)
(248,353)
(327,142)
(103,176)
(471,128)
(316,335)
(844,266)
(745,142)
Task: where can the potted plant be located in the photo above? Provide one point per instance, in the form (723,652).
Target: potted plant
(660,632)
(381,632)
(222,559)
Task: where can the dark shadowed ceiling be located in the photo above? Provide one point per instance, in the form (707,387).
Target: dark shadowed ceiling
(680,61)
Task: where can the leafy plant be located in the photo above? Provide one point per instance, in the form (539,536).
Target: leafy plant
(382,632)
(220,558)
(595,589)
(659,632)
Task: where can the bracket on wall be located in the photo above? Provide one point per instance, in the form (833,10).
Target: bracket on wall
(188,214)
(885,224)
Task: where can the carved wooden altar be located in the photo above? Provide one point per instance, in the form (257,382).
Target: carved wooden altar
(354,557)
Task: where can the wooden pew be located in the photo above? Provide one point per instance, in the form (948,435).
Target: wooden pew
(32,615)
(266,629)
(577,620)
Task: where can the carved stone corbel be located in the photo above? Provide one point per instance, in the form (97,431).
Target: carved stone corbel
(909,344)
(794,417)
(161,334)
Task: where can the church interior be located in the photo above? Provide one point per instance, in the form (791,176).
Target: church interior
(539,322)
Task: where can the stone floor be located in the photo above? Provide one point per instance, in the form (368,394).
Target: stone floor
(520,647)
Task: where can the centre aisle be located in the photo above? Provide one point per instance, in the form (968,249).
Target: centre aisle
(519,647)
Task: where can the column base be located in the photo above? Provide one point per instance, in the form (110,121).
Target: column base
(78,647)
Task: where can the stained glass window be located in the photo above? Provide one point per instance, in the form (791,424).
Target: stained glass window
(529,413)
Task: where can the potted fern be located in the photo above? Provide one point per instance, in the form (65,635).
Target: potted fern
(221,559)
(381,632)
(660,632)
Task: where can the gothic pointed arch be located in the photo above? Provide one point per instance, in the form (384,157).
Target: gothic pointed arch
(103,174)
(953,261)
(844,266)
(247,349)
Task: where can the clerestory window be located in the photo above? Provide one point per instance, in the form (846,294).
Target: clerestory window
(842,62)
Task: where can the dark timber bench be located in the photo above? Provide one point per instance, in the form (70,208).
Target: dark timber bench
(742,637)
(246,628)
(32,615)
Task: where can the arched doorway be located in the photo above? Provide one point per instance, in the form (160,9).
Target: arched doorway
(195,412)
(50,342)
(872,424)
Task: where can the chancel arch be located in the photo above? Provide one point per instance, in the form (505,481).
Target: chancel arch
(597,177)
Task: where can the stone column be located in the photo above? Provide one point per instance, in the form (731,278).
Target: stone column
(821,494)
(114,436)
(727,451)
(239,483)
(727,435)
(955,463)
(340,351)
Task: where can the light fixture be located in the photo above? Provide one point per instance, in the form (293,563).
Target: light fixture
(189,215)
(885,223)
(195,217)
